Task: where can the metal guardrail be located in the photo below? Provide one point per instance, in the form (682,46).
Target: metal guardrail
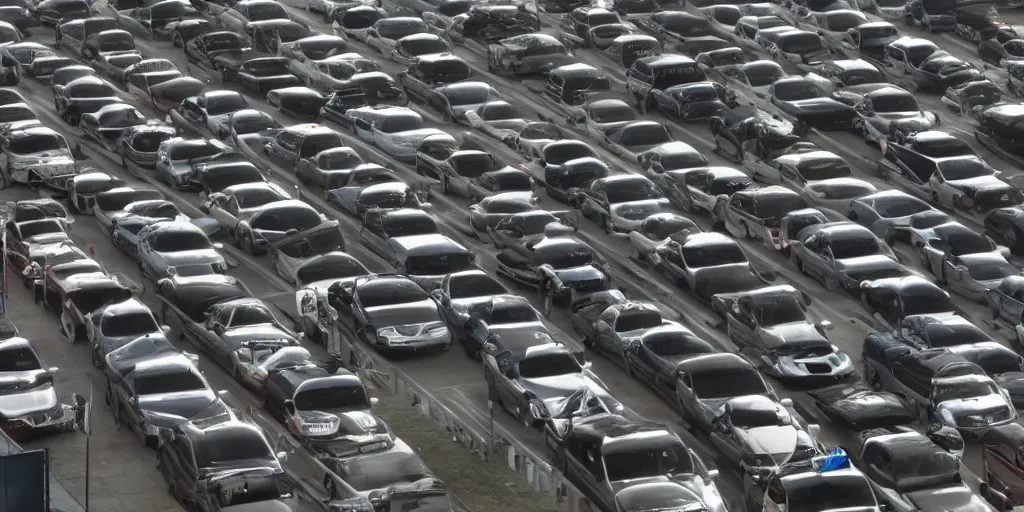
(60,499)
(537,473)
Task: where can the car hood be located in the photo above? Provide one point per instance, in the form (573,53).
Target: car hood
(35,400)
(952,499)
(184,404)
(418,134)
(973,405)
(793,332)
(863,89)
(773,440)
(864,262)
(554,389)
(579,273)
(47,238)
(818,105)
(683,498)
(192,257)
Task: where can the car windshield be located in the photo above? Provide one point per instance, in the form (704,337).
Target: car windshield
(856,77)
(19,360)
(438,264)
(800,43)
(925,300)
(562,257)
(266,11)
(474,285)
(899,206)
(317,142)
(223,447)
(397,29)
(961,389)
(941,335)
(795,90)
(36,143)
(841,22)
(612,114)
(754,418)
(472,165)
(346,396)
(180,241)
(762,75)
(391,291)
(467,95)
(925,467)
(966,242)
(778,310)
(425,46)
(631,190)
(832,493)
(649,458)
(674,344)
(39,227)
(383,470)
(964,168)
(895,103)
(549,365)
(169,382)
(257,197)
(333,268)
(130,324)
(512,314)
(817,169)
(411,226)
(713,255)
(284,218)
(635,320)
(776,206)
(14,113)
(335,160)
(563,153)
(943,148)
(683,160)
(647,134)
(854,247)
(710,385)
(841,190)
(193,149)
(400,123)
(92,90)
(990,271)
(917,54)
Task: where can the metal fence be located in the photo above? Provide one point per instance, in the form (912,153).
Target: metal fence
(25,473)
(540,476)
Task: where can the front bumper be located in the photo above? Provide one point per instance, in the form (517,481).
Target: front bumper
(61,419)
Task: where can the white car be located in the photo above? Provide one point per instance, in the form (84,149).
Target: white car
(835,194)
(385,33)
(237,18)
(497,119)
(397,131)
(240,202)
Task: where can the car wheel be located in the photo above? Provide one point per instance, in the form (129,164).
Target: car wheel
(872,377)
(799,264)
(627,365)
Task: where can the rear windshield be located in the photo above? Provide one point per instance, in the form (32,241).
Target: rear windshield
(337,397)
(19,360)
(383,293)
(161,383)
(713,255)
(188,150)
(180,241)
(315,143)
(36,143)
(548,365)
(474,285)
(225,104)
(130,324)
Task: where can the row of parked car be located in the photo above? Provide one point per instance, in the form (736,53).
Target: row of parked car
(552,238)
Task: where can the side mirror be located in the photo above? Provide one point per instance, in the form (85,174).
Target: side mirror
(814,430)
(490,348)
(222,392)
(219,246)
(374,400)
(166,329)
(713,474)
(786,402)
(282,457)
(290,407)
(53,369)
(826,325)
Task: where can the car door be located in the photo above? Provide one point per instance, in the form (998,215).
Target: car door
(769,174)
(686,399)
(641,361)
(813,258)
(129,405)
(729,215)
(604,328)
(373,236)
(73,37)
(225,210)
(740,323)
(723,437)
(1011,307)
(593,202)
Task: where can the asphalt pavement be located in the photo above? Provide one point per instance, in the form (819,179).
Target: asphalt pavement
(452,377)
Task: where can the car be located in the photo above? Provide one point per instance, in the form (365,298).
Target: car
(275,221)
(429,72)
(660,227)
(177,157)
(207,449)
(527,54)
(560,267)
(238,17)
(890,300)
(381,226)
(971,97)
(394,314)
(998,455)
(107,42)
(336,167)
(150,393)
(72,30)
(110,204)
(743,425)
(396,131)
(38,156)
(884,113)
(82,190)
(304,54)
(941,71)
(333,73)
(619,204)
(756,77)
(841,255)
(125,234)
(298,101)
(636,138)
(846,487)
(203,50)
(83,96)
(702,384)
(636,337)
(848,80)
(410,47)
(747,134)
(704,264)
(138,146)
(889,214)
(351,180)
(801,102)
(167,95)
(314,280)
(51,13)
(251,129)
(385,33)
(207,113)
(527,226)
(106,125)
(216,175)
(612,439)
(497,119)
(159,20)
(263,74)
(942,474)
(932,16)
(83,294)
(687,33)
(603,117)
(773,322)
(529,140)
(1000,363)
(32,407)
(521,393)
(17,116)
(355,22)
(328,410)
(356,201)
(454,100)
(1004,226)
(299,141)
(755,213)
(476,175)
(460,293)
(492,23)
(393,486)
(152,209)
(65,74)
(798,169)
(178,247)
